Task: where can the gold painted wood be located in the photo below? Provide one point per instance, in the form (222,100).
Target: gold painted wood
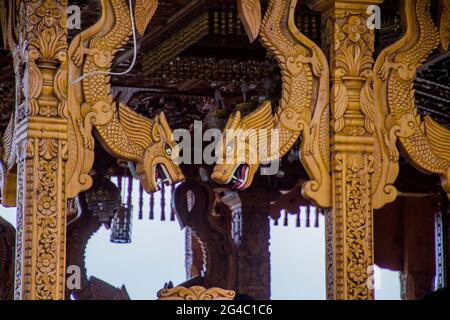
(303,108)
(354,147)
(122,132)
(36,142)
(195,293)
(144,11)
(49,117)
(424,143)
(250,14)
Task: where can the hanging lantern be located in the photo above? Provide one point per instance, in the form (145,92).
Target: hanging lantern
(121,225)
(103,199)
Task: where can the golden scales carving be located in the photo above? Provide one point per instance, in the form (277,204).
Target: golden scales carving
(50,135)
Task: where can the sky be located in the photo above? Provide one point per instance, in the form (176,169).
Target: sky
(157,252)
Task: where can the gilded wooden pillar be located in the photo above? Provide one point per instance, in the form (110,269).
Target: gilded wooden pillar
(350,43)
(41,139)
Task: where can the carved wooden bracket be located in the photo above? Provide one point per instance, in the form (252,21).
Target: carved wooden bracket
(426,144)
(122,132)
(302,110)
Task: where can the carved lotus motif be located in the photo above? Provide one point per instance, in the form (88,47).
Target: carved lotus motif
(357,273)
(357,218)
(46,262)
(47,205)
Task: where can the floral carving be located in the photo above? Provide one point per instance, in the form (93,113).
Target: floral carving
(350,224)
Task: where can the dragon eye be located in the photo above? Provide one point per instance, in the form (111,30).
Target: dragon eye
(168,150)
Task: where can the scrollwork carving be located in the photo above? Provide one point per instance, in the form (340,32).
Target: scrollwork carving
(195,293)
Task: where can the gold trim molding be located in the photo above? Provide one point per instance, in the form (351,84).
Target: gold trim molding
(195,293)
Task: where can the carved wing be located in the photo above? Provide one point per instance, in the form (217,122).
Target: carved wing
(250,14)
(136,127)
(144,11)
(439,138)
(261,118)
(35,81)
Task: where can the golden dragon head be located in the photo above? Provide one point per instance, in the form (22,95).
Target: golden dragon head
(244,145)
(157,165)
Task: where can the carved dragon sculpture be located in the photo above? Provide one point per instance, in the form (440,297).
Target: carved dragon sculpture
(303,109)
(122,132)
(426,144)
